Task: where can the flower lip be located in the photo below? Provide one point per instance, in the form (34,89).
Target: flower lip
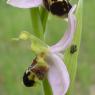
(25,3)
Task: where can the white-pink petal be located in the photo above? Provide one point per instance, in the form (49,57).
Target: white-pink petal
(25,3)
(58,76)
(68,36)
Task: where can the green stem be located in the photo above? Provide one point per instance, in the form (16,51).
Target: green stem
(46,87)
(36,23)
(44,17)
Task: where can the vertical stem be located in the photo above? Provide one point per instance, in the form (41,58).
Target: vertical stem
(44,17)
(36,23)
(46,87)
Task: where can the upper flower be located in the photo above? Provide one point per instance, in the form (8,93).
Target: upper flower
(56,7)
(57,74)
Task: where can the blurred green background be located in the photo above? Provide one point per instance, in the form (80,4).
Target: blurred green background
(15,57)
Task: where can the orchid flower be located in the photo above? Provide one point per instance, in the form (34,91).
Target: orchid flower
(57,73)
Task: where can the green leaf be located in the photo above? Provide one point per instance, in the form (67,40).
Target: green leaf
(71,59)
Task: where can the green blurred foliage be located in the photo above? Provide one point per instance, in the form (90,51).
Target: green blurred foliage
(15,57)
(86,62)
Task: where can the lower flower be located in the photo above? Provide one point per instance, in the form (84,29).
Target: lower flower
(48,62)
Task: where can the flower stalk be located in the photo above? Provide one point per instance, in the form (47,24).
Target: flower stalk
(36,23)
(44,17)
(46,87)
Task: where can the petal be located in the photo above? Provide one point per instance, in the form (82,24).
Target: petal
(25,3)
(68,36)
(58,76)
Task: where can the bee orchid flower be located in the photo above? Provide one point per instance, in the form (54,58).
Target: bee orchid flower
(57,73)
(58,7)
